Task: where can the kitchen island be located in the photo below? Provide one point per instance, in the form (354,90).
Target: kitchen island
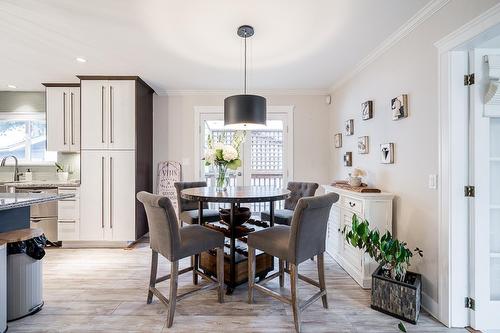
(15,208)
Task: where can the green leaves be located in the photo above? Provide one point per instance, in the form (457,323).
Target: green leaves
(234,164)
(402,327)
(386,250)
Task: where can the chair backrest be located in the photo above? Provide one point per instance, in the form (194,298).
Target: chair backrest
(164,235)
(308,227)
(184,204)
(299,190)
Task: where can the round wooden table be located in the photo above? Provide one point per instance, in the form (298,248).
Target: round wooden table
(234,196)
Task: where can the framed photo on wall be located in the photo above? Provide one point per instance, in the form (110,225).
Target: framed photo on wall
(338,140)
(363,145)
(348,159)
(367,110)
(387,153)
(349,127)
(399,107)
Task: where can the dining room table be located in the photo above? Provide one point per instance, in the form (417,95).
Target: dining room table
(235,196)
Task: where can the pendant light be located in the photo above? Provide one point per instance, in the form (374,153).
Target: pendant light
(245,112)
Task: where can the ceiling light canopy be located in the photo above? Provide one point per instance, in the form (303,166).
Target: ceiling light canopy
(245,112)
(80,59)
(11,86)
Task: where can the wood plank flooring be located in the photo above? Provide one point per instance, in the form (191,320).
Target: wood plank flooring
(104,290)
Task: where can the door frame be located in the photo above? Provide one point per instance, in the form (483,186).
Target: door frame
(453,224)
(286,110)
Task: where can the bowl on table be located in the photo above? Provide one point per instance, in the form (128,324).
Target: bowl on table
(241,215)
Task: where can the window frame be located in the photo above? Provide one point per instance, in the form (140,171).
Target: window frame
(26,116)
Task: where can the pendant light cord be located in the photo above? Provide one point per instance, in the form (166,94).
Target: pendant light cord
(245,75)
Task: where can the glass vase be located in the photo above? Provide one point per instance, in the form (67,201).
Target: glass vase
(221,180)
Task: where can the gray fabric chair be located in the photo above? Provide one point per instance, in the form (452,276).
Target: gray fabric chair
(303,239)
(174,243)
(298,190)
(188,210)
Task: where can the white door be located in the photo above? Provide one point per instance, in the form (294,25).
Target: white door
(121,224)
(74,119)
(266,154)
(121,114)
(485,208)
(93,195)
(57,101)
(94,116)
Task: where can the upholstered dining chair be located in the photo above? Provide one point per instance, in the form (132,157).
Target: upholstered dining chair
(188,210)
(298,190)
(174,243)
(303,239)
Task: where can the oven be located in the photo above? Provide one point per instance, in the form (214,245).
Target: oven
(43,215)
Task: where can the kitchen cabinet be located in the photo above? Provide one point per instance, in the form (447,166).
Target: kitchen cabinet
(374,207)
(63,117)
(108,114)
(116,158)
(68,215)
(107,197)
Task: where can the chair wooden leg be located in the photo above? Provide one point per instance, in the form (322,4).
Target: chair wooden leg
(194,263)
(282,273)
(220,273)
(152,277)
(321,276)
(174,271)
(295,298)
(251,273)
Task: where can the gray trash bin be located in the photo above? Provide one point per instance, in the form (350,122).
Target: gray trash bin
(24,273)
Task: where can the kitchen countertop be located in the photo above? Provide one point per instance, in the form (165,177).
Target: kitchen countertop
(18,200)
(43,183)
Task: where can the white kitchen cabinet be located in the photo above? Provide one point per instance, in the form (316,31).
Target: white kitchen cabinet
(68,215)
(108,114)
(63,117)
(93,195)
(121,226)
(374,207)
(107,197)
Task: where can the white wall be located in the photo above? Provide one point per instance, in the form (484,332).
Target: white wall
(174,132)
(411,67)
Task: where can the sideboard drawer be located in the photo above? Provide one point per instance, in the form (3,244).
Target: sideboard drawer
(353,204)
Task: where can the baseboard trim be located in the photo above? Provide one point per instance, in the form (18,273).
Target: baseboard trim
(94,244)
(430,305)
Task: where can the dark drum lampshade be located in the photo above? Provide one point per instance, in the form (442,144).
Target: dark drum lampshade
(245,112)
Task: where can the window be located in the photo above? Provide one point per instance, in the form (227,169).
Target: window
(24,136)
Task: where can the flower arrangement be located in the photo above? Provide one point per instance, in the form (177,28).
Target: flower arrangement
(224,156)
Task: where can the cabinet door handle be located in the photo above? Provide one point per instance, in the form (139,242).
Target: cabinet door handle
(111,192)
(102,114)
(72,121)
(64,118)
(111,114)
(36,220)
(102,192)
(352,204)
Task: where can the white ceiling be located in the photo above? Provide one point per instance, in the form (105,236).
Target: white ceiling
(192,44)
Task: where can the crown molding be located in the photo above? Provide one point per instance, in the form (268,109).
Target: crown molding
(268,92)
(474,27)
(420,17)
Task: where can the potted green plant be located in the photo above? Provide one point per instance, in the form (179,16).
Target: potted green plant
(395,290)
(62,174)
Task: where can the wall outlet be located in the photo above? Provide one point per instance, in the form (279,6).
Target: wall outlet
(433,182)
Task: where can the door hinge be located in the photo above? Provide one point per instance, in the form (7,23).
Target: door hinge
(470,303)
(469,79)
(469,191)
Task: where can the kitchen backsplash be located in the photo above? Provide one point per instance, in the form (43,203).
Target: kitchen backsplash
(69,161)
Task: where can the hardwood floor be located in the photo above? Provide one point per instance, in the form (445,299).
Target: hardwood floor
(104,290)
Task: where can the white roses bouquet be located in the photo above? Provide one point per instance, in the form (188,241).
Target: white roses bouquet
(219,153)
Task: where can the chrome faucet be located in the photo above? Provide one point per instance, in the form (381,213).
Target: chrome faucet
(16,170)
